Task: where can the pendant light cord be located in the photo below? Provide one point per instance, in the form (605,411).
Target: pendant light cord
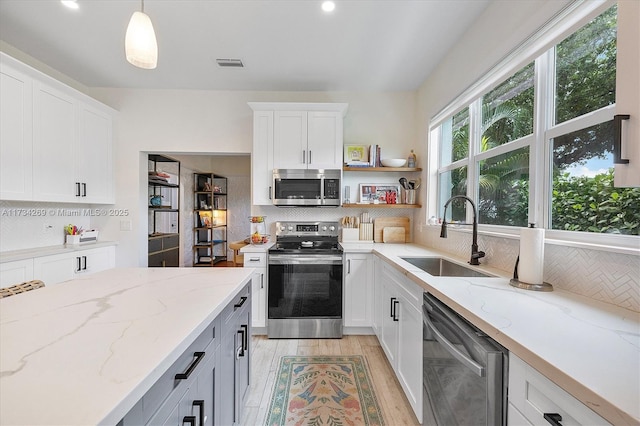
(142,1)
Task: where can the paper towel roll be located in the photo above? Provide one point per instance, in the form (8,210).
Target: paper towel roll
(531,266)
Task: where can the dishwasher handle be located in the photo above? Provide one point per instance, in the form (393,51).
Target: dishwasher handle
(476,368)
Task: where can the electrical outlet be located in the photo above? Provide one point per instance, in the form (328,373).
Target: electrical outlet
(47,227)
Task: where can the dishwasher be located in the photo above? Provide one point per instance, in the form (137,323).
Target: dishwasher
(465,372)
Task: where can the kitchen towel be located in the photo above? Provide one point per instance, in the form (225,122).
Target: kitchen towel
(531,265)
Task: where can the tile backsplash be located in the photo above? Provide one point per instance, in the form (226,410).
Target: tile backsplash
(25,225)
(605,276)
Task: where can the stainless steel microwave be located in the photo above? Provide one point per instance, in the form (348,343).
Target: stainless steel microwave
(306,188)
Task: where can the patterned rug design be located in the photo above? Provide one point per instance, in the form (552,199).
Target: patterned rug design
(323,390)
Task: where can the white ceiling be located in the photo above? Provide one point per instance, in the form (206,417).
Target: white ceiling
(286,45)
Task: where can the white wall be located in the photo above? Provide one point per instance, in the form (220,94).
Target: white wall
(220,122)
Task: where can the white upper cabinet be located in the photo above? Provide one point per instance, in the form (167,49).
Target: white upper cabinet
(307,140)
(95,157)
(56,142)
(15,134)
(293,136)
(628,92)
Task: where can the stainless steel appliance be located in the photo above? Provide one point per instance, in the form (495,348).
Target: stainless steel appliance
(305,281)
(464,370)
(309,188)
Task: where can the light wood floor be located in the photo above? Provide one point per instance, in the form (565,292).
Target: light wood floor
(265,360)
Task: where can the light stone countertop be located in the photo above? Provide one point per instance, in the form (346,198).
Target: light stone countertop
(589,348)
(14,255)
(83,352)
(257,248)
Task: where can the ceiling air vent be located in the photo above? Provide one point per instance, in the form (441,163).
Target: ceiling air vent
(230,63)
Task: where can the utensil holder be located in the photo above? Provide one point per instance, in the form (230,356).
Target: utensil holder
(410,196)
(350,234)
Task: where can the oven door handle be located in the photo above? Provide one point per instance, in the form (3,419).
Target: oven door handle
(455,352)
(305,260)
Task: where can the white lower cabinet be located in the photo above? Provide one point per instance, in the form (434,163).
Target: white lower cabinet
(258,290)
(400,330)
(358,290)
(12,273)
(536,400)
(57,268)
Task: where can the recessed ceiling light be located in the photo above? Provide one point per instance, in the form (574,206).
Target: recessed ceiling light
(71,4)
(328,6)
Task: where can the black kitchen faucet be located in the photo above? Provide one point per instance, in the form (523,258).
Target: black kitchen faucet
(475,253)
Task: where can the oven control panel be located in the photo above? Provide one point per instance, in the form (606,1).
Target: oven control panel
(307,228)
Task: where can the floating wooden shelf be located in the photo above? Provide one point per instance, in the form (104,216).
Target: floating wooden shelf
(384,206)
(381,169)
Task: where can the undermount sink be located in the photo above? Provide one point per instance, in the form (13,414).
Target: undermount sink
(440,267)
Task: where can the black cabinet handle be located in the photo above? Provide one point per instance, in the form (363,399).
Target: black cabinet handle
(239,305)
(245,342)
(261,280)
(197,357)
(309,156)
(395,313)
(84,263)
(84,189)
(617,138)
(200,404)
(269,192)
(189,419)
(242,336)
(77,189)
(79,261)
(391,311)
(553,418)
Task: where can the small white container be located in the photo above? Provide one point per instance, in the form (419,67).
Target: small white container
(73,239)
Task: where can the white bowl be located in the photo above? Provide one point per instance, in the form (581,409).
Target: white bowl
(394,162)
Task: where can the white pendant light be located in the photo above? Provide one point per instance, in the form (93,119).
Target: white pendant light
(140,43)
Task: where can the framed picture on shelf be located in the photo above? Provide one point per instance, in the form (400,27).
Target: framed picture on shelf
(379,193)
(356,153)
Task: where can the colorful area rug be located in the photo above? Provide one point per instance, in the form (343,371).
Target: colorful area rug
(323,390)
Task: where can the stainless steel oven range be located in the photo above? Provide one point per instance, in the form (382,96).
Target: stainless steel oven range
(305,281)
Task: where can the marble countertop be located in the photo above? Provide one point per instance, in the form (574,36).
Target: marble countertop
(14,255)
(589,348)
(83,352)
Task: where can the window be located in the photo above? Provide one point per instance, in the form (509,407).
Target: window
(552,167)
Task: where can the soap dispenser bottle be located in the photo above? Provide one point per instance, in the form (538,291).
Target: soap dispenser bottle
(411,160)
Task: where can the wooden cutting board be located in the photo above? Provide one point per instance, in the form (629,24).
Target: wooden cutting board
(382,222)
(393,234)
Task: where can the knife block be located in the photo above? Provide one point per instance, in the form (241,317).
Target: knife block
(366,232)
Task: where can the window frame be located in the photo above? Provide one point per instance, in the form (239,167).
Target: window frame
(540,48)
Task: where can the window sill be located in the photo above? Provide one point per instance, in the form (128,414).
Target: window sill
(623,244)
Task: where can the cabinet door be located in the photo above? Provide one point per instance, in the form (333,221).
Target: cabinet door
(358,289)
(262,158)
(54,145)
(95,162)
(243,356)
(378,309)
(389,331)
(290,140)
(16,106)
(55,269)
(226,378)
(259,298)
(409,361)
(95,260)
(324,136)
(12,273)
(628,91)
